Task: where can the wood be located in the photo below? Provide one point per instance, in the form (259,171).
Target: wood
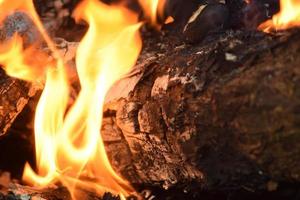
(220,115)
(15,94)
(19,192)
(223,114)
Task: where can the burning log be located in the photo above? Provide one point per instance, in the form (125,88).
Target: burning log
(22,24)
(15,94)
(217,116)
(220,115)
(19,192)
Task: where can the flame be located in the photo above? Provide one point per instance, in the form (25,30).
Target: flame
(288,17)
(169,20)
(69,147)
(153,9)
(26,65)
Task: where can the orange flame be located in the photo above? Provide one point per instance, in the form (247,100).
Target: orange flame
(29,64)
(153,9)
(288,17)
(68,143)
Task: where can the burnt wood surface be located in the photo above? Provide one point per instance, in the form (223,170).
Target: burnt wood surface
(19,192)
(219,115)
(15,95)
(223,114)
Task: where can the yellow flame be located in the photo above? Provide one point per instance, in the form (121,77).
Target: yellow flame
(24,65)
(28,64)
(153,9)
(288,17)
(68,142)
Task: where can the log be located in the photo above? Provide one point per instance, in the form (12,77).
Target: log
(220,115)
(15,94)
(10,189)
(19,192)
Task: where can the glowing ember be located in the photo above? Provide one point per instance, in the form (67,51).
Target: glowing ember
(289,16)
(68,144)
(169,20)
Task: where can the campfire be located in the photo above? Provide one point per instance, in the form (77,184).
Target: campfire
(149,99)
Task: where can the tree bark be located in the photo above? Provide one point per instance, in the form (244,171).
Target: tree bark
(15,94)
(218,115)
(19,192)
(221,115)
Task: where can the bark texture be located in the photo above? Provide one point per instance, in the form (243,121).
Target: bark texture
(15,94)
(19,192)
(224,114)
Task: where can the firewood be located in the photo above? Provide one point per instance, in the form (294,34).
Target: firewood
(217,115)
(19,192)
(15,94)
(223,114)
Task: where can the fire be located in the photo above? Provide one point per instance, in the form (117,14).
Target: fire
(289,16)
(22,66)
(69,147)
(153,9)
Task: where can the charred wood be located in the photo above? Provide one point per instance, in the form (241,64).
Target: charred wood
(19,192)
(220,115)
(15,94)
